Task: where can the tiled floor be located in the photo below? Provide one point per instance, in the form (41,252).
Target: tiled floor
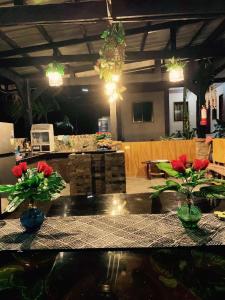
(142,185)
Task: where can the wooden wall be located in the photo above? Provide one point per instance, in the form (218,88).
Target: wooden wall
(219,150)
(138,152)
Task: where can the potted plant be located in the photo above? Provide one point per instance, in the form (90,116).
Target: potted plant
(104,140)
(175,67)
(33,184)
(110,64)
(191,177)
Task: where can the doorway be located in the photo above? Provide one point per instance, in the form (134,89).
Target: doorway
(221,108)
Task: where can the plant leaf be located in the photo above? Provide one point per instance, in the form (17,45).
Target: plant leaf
(166,167)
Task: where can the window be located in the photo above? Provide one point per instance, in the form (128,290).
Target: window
(179,111)
(142,112)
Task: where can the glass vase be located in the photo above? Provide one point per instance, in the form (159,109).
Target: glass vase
(189,215)
(32,218)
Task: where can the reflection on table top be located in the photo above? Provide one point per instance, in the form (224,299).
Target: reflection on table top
(116,275)
(116,204)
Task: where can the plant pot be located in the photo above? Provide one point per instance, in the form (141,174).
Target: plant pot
(189,216)
(32,219)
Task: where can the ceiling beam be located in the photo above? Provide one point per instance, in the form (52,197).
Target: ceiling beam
(166,10)
(84,33)
(47,37)
(77,41)
(144,39)
(194,52)
(13,44)
(216,33)
(143,42)
(124,10)
(198,33)
(173,38)
(44,14)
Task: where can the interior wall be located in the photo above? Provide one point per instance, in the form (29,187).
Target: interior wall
(176,95)
(133,131)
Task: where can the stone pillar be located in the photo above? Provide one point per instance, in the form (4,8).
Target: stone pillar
(115,178)
(80,174)
(113,121)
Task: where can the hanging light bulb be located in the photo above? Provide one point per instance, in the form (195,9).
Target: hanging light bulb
(55,72)
(176,74)
(55,79)
(113,97)
(175,67)
(110,88)
(115,77)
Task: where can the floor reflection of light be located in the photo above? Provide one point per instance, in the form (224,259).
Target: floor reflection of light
(117,206)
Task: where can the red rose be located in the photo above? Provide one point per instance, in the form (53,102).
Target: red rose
(23,166)
(17,171)
(178,166)
(48,171)
(183,158)
(41,166)
(205,163)
(200,164)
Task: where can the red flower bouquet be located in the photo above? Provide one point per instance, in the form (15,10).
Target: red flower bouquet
(190,177)
(34,184)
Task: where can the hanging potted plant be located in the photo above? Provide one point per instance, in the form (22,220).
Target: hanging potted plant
(191,177)
(33,184)
(111,61)
(55,73)
(175,67)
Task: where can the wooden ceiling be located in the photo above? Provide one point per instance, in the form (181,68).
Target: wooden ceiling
(155,30)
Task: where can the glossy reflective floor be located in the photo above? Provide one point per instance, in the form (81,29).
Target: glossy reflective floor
(145,275)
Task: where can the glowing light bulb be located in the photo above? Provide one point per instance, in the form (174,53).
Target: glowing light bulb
(55,79)
(113,97)
(110,88)
(176,74)
(115,77)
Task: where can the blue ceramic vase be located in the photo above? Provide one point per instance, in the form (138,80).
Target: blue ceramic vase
(32,219)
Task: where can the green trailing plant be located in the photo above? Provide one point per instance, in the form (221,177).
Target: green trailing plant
(55,67)
(112,53)
(33,184)
(112,56)
(174,63)
(188,135)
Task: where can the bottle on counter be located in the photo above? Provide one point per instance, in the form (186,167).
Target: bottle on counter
(18,155)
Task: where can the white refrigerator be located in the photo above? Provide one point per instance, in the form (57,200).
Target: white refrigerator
(6,138)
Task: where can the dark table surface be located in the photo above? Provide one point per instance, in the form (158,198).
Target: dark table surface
(180,273)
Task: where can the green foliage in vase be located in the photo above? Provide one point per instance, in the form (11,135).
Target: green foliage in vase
(34,184)
(191,178)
